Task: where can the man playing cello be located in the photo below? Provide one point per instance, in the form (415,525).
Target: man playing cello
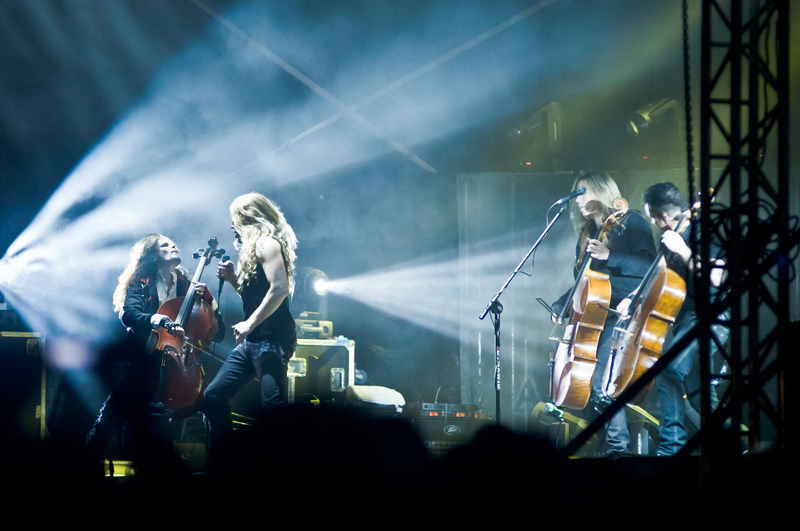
(665,204)
(152,277)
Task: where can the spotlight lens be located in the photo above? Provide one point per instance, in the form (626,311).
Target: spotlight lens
(320,286)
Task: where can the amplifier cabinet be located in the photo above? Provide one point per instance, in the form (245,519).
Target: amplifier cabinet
(23,387)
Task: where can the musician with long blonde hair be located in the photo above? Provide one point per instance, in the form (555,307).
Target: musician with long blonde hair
(624,253)
(266,337)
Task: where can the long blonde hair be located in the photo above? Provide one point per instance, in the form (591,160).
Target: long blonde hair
(254,216)
(605,190)
(143,263)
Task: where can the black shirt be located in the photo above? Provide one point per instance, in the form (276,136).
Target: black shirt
(631,252)
(279,326)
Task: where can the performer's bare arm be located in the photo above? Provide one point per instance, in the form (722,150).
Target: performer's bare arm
(270,259)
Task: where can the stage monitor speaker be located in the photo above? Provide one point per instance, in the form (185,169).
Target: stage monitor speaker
(23,386)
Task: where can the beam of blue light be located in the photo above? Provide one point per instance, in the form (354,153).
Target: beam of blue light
(201,134)
(434,293)
(158,169)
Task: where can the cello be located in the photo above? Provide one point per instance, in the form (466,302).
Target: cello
(640,331)
(572,367)
(182,379)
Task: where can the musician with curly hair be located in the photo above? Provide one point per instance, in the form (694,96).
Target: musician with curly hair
(266,337)
(152,277)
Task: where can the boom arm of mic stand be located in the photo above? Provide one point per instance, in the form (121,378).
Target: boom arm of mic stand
(522,263)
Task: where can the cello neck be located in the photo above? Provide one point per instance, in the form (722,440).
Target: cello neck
(188,300)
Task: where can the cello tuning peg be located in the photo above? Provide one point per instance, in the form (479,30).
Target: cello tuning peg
(201,251)
(219,253)
(196,255)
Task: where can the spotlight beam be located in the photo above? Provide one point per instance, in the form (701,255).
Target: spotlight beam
(181,138)
(351,110)
(455,52)
(430,292)
(330,98)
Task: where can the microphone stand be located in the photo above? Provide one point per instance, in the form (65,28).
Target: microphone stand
(496,308)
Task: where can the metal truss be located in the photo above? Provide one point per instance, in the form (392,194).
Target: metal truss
(744,152)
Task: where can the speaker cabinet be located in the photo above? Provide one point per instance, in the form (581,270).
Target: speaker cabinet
(321,369)
(23,386)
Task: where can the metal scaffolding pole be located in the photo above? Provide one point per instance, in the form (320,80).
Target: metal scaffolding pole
(744,159)
(744,153)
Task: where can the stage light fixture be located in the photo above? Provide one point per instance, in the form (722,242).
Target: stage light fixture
(311,292)
(320,286)
(649,114)
(536,142)
(312,283)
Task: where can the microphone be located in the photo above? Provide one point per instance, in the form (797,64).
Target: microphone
(576,193)
(222,280)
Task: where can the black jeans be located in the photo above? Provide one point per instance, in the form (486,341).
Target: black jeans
(265,361)
(133,400)
(682,378)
